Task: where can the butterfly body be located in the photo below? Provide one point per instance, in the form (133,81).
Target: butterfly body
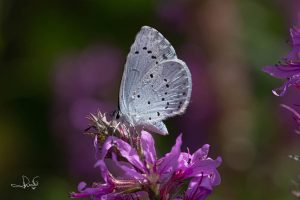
(156,85)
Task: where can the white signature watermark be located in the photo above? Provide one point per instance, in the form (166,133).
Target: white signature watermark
(27,183)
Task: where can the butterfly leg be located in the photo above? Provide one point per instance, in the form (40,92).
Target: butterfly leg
(115,128)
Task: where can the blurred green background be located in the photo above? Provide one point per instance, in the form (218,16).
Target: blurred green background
(61,60)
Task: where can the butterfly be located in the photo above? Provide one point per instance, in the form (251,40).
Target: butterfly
(156,85)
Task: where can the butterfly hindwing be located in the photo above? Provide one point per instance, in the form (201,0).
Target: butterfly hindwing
(165,92)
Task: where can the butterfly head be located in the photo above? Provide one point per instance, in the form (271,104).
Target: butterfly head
(116,114)
(119,116)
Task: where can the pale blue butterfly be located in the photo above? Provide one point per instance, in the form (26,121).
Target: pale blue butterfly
(156,85)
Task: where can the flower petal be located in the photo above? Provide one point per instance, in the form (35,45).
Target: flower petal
(168,164)
(203,167)
(81,186)
(292,82)
(216,178)
(141,195)
(122,169)
(184,160)
(295,36)
(201,153)
(148,148)
(296,116)
(282,71)
(198,189)
(103,169)
(125,149)
(96,191)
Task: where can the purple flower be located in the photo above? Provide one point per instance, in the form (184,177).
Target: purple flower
(296,116)
(136,173)
(289,67)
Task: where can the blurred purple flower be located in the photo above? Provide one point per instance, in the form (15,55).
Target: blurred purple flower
(138,174)
(296,116)
(78,82)
(291,100)
(289,67)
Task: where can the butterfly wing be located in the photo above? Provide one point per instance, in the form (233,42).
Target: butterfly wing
(165,92)
(148,49)
(155,84)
